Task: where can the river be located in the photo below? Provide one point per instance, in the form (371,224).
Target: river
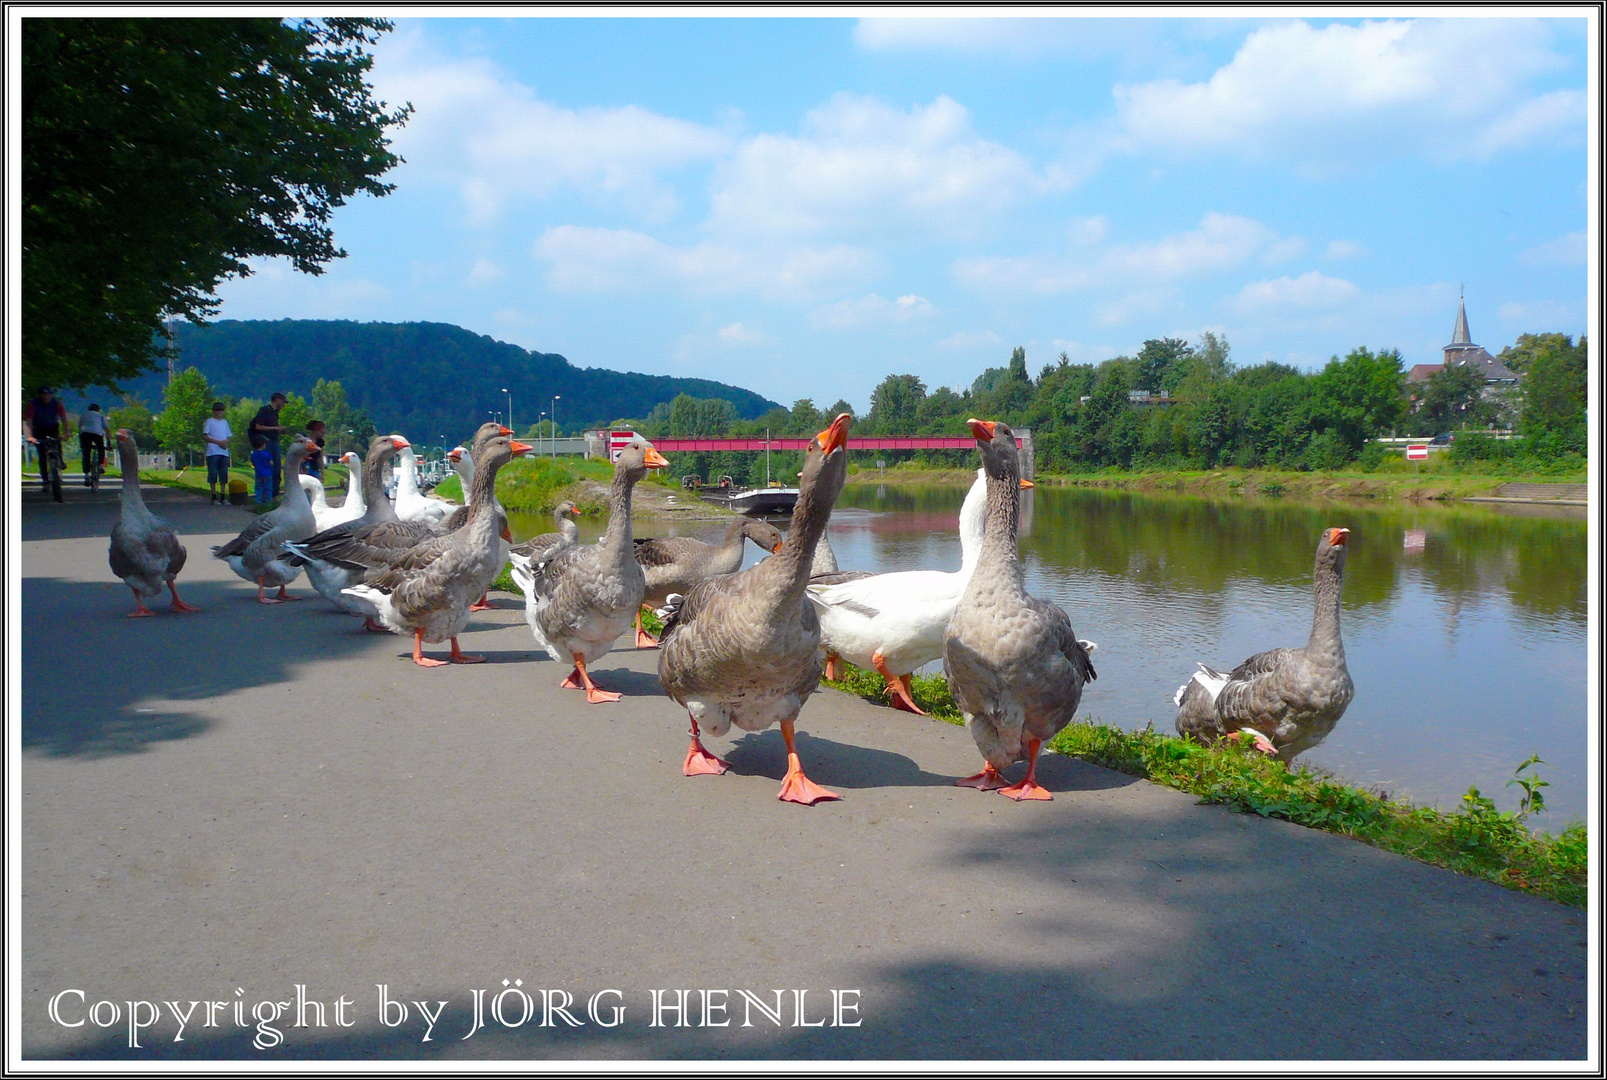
(1465,626)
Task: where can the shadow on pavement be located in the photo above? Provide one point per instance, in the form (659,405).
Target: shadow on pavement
(87,668)
(1211,941)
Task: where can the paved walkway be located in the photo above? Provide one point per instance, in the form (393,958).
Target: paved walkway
(219,807)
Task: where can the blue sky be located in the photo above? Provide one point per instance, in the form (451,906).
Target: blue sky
(804,206)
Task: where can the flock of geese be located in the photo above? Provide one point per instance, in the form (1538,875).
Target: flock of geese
(743,647)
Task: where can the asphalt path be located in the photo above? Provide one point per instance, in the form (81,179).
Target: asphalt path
(226,806)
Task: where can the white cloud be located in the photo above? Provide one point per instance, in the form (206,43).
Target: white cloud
(872,310)
(1344,249)
(603,260)
(737,335)
(1019,275)
(1543,316)
(1449,88)
(1310,290)
(860,165)
(971,340)
(1088,230)
(485,271)
(1566,250)
(486,133)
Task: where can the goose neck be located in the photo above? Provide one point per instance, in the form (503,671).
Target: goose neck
(1325,641)
(618,536)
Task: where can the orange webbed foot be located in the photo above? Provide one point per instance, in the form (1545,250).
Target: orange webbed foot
(644,640)
(181,606)
(1027,790)
(267,600)
(986,780)
(572,682)
(141,613)
(428,661)
(798,788)
(699,762)
(461,657)
(601,697)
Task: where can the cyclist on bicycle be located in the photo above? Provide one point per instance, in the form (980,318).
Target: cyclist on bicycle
(92,439)
(45,417)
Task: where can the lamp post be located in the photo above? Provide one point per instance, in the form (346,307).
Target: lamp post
(505,390)
(539,436)
(555,398)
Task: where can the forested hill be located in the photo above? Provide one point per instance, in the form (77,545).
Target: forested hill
(423,378)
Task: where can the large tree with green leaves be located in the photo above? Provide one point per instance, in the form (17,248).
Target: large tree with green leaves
(187,402)
(159,154)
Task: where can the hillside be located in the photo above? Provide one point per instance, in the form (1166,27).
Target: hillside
(422,377)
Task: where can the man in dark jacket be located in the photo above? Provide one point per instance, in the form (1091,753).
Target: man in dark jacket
(263,432)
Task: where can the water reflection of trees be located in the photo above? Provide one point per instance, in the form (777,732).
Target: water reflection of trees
(1185,542)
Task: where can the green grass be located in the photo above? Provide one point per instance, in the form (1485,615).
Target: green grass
(536,484)
(1476,839)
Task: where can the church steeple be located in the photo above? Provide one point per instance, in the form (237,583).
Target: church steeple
(1460,337)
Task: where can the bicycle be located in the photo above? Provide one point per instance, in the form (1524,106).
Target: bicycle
(50,465)
(94,465)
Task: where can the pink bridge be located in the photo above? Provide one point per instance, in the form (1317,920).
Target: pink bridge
(921,442)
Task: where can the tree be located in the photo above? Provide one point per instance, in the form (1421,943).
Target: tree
(1554,390)
(1018,365)
(1453,395)
(136,416)
(837,409)
(1162,364)
(1360,396)
(329,405)
(896,403)
(1521,354)
(187,402)
(158,154)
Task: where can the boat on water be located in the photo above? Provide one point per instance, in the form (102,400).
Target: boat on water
(752,502)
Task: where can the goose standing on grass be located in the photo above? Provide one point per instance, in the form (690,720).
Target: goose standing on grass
(677,564)
(542,548)
(331,578)
(1014,666)
(145,552)
(356,503)
(894,623)
(427,589)
(1284,700)
(745,648)
(584,597)
(258,553)
(411,505)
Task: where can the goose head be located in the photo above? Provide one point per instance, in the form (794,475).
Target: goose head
(997,445)
(825,465)
(1331,548)
(636,459)
(766,535)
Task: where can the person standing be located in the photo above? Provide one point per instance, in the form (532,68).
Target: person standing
(92,438)
(314,465)
(262,466)
(215,431)
(264,435)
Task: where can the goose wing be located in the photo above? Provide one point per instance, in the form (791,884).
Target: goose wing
(248,536)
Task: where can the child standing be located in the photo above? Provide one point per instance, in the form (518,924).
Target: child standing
(215,432)
(262,461)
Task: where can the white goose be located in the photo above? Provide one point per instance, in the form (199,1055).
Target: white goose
(894,623)
(258,553)
(411,505)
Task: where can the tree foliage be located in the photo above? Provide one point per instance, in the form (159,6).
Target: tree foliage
(159,154)
(186,404)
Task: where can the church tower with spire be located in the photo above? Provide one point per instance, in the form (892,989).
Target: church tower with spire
(1462,352)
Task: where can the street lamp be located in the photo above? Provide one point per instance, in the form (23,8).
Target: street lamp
(505,390)
(539,424)
(555,398)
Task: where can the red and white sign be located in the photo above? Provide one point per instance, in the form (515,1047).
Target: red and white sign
(1417,451)
(619,440)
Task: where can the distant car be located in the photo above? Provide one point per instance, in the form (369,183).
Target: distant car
(1442,439)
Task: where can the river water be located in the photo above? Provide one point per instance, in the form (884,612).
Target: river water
(1465,626)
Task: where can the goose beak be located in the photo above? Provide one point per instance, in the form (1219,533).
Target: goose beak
(836,436)
(1337,537)
(982,429)
(503,429)
(655,460)
(776,550)
(520,448)
(454,455)
(506,535)
(399,442)
(1027,484)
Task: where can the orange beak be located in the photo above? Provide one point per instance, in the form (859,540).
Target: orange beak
(1027,484)
(1337,537)
(776,549)
(504,430)
(506,535)
(982,429)
(399,442)
(836,436)
(656,460)
(520,448)
(454,455)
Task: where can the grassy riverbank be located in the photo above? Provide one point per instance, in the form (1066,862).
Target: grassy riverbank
(1435,479)
(1476,839)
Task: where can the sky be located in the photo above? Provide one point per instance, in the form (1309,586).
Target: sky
(803,206)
